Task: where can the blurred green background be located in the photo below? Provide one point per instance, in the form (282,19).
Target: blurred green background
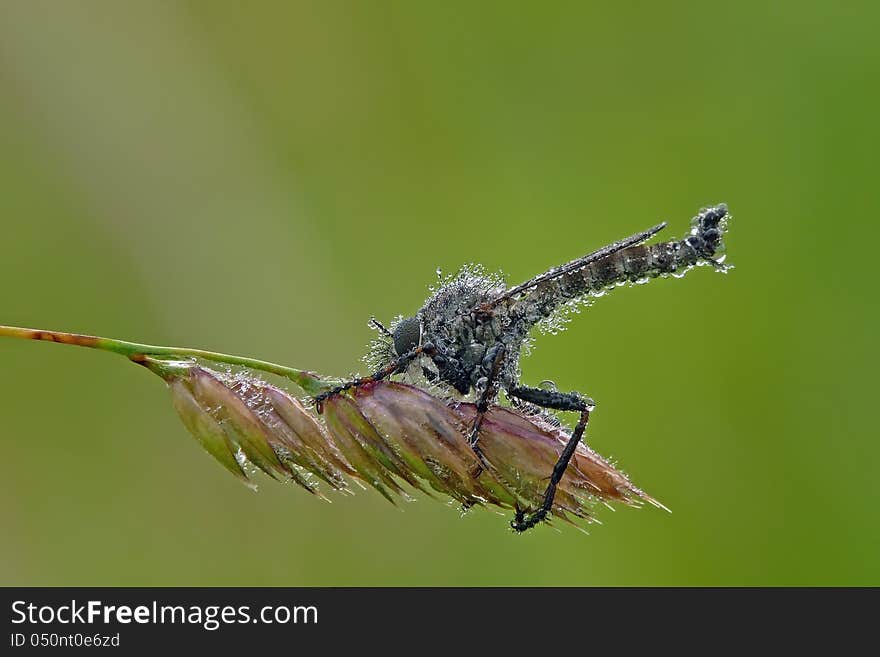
(260,178)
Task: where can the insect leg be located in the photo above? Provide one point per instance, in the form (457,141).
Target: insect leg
(492,363)
(560,401)
(552,399)
(394,366)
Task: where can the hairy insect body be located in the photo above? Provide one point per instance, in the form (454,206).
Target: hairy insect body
(469,334)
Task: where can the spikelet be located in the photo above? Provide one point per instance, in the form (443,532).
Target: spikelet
(239,419)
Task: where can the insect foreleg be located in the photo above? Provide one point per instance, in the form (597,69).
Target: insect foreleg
(396,365)
(561,401)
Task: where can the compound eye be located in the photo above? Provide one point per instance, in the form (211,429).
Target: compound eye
(406,335)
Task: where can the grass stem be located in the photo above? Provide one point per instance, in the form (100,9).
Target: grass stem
(136,352)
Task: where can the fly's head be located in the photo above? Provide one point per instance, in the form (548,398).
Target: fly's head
(407,335)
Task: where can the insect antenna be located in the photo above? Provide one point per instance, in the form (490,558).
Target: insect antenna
(379,326)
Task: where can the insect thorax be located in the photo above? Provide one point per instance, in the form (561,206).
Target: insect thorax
(451,322)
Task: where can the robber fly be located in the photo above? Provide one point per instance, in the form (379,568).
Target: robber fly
(468,336)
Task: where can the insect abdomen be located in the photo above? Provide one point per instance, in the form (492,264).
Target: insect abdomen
(632,264)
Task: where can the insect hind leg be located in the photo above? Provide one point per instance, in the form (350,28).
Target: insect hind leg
(552,399)
(560,401)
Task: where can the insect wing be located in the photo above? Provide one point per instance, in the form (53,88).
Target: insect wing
(574,265)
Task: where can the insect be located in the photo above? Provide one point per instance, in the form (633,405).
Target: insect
(446,424)
(469,335)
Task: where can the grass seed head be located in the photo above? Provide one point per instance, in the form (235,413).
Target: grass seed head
(389,435)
